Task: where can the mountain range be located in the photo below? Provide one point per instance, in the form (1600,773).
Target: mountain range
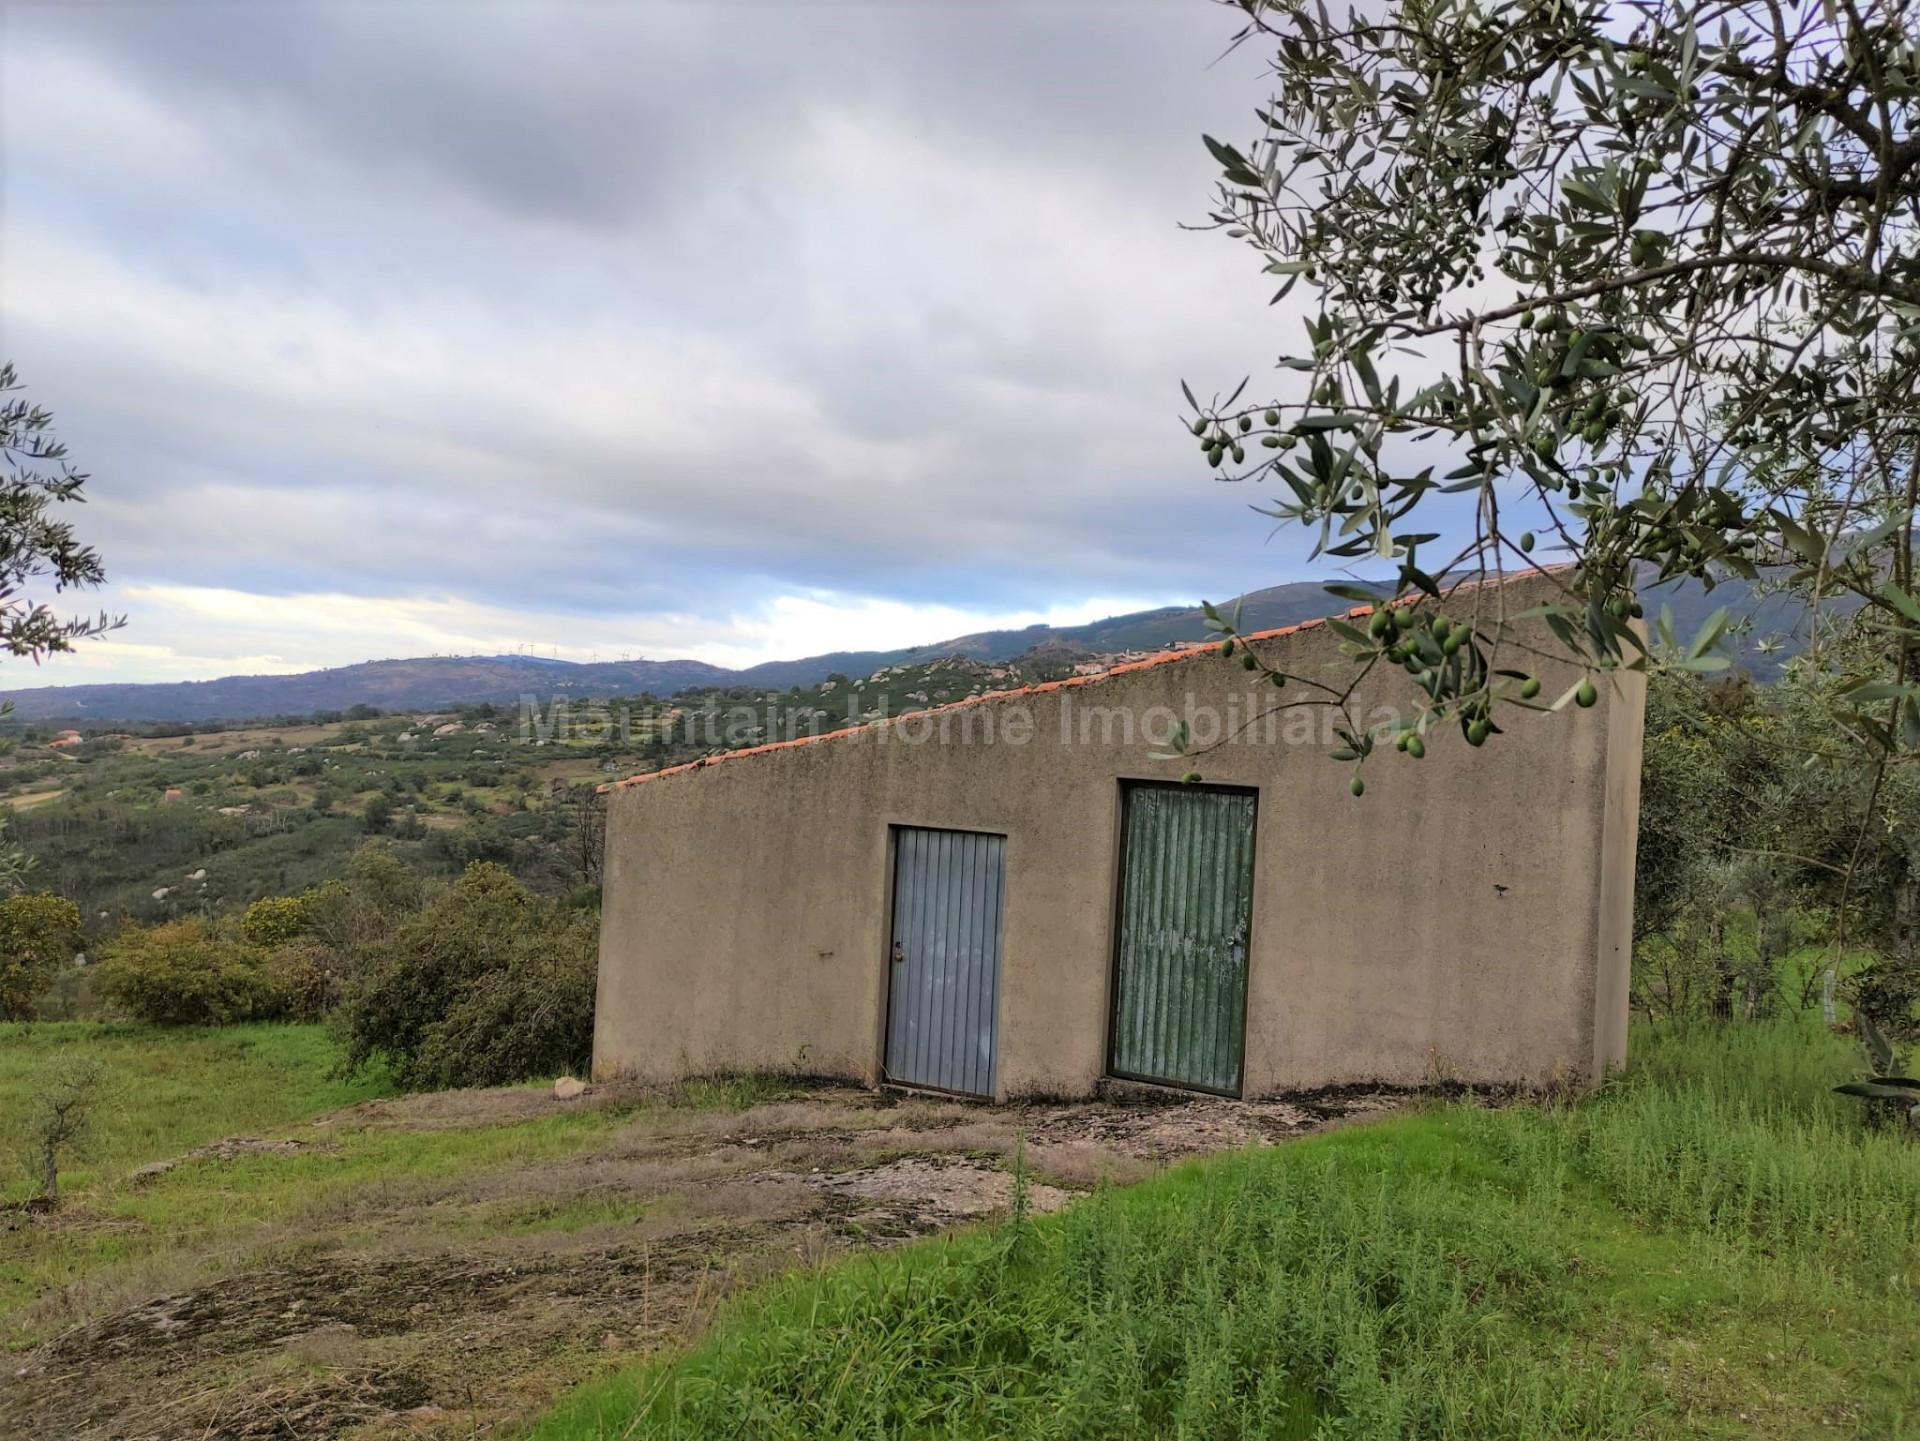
(429,682)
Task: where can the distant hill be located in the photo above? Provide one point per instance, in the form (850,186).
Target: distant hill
(433,681)
(420,684)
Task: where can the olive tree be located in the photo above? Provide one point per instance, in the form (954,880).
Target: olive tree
(1628,286)
(38,552)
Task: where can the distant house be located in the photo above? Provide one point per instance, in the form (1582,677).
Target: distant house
(1021,895)
(65,740)
(1100,664)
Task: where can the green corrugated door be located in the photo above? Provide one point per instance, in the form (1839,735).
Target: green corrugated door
(1186,899)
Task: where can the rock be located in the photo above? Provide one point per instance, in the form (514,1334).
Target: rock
(162,893)
(568,1089)
(140,1175)
(199,875)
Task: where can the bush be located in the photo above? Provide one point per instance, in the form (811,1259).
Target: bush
(274,920)
(1888,993)
(486,985)
(188,973)
(38,935)
(307,977)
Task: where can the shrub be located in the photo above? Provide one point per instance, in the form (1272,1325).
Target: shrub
(314,939)
(274,920)
(1888,993)
(350,915)
(188,973)
(38,935)
(487,984)
(307,977)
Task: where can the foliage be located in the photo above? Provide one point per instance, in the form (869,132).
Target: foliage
(188,973)
(267,813)
(486,984)
(61,1108)
(1644,279)
(1752,849)
(38,934)
(34,546)
(274,920)
(306,977)
(35,550)
(16,863)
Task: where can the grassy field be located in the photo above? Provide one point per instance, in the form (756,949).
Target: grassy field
(171,1091)
(167,1091)
(1714,1247)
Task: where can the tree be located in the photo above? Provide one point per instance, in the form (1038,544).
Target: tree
(38,935)
(37,550)
(60,1113)
(1640,279)
(585,837)
(35,547)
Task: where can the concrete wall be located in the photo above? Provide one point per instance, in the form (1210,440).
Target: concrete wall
(1468,918)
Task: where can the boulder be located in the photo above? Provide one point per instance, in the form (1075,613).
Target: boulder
(568,1089)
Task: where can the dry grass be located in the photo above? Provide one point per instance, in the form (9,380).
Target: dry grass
(31,799)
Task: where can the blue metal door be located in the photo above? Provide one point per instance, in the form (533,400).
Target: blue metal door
(944,989)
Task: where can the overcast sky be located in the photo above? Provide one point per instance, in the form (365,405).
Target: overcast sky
(728,331)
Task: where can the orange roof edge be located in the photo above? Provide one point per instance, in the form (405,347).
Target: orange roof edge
(1071,682)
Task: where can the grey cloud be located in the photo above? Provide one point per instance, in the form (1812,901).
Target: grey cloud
(953,384)
(597,112)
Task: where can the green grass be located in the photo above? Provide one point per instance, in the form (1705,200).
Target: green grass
(167,1091)
(1714,1246)
(172,1090)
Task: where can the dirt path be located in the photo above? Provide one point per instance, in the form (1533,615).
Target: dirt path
(382,1328)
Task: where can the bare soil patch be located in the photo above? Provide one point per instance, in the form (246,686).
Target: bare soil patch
(29,799)
(372,1324)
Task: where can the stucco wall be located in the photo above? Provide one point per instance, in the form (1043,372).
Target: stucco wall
(1467,918)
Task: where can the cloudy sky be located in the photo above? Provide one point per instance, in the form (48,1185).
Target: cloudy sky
(721,330)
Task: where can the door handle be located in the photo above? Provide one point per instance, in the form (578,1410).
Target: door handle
(899,953)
